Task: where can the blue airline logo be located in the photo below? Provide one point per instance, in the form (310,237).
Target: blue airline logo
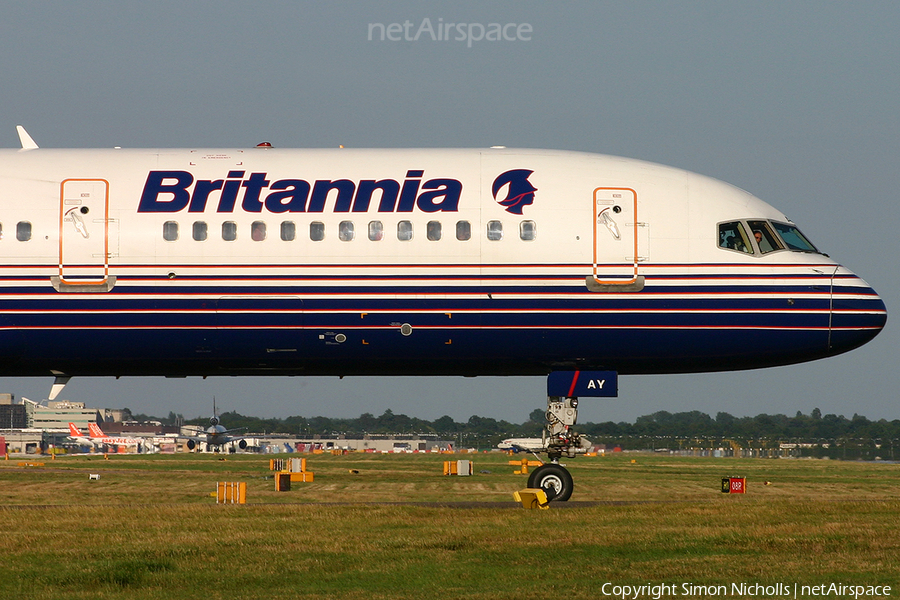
(519,191)
(174,191)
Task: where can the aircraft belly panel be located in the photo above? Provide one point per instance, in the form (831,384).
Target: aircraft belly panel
(713,327)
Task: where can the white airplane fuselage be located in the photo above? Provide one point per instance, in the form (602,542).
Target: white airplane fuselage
(216,436)
(518,444)
(76,436)
(101,438)
(407,262)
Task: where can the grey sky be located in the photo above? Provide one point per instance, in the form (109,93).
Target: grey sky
(794,101)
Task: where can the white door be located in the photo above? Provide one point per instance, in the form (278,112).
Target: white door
(84,231)
(616,237)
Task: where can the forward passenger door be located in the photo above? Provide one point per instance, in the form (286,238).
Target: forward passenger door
(84,232)
(620,240)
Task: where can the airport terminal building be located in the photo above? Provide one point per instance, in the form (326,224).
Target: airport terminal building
(28,427)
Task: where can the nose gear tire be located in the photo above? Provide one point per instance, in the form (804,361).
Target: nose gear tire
(555,480)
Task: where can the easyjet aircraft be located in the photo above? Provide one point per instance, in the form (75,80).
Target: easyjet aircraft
(78,437)
(99,437)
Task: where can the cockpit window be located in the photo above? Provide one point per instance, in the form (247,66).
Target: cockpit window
(733,236)
(793,238)
(765,237)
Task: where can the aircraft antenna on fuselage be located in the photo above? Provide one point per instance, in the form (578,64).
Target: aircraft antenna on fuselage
(25,139)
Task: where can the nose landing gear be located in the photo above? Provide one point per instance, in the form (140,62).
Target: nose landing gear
(559,437)
(559,440)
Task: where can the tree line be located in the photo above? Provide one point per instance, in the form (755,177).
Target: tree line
(813,428)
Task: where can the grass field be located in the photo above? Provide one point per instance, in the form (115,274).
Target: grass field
(398,528)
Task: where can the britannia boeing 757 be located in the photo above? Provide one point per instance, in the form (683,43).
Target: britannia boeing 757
(496,261)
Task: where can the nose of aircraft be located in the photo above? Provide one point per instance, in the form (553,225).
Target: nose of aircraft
(858,313)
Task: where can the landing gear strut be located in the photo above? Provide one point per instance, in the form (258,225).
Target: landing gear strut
(559,440)
(559,437)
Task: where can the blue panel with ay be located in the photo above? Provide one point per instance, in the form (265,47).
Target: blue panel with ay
(590,384)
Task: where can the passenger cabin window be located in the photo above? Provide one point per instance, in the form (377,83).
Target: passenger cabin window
(376,231)
(229,231)
(494,231)
(1,231)
(199,231)
(288,231)
(433,231)
(23,231)
(733,236)
(527,230)
(170,231)
(317,231)
(346,231)
(463,231)
(404,231)
(258,231)
(765,237)
(793,238)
